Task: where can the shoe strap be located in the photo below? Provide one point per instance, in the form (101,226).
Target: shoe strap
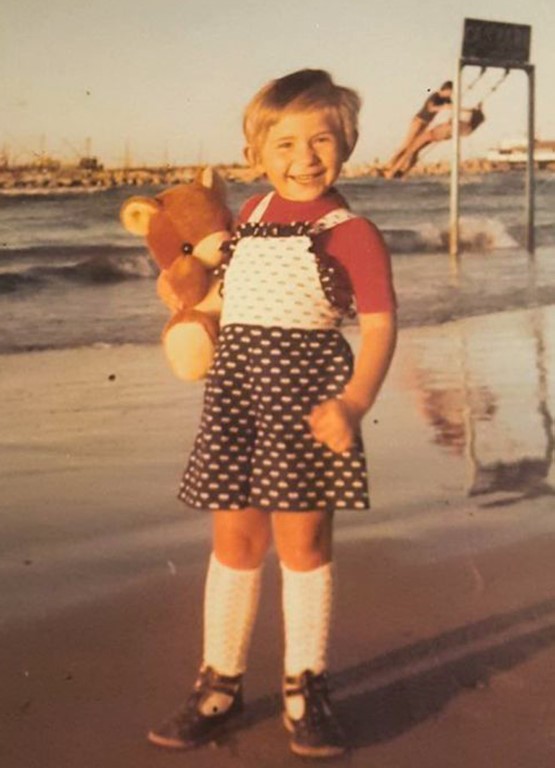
(230,690)
(213,681)
(301,685)
(293,691)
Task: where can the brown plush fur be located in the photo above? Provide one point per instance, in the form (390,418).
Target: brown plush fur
(187,213)
(174,223)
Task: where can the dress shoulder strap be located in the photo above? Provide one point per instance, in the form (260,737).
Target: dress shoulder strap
(327,221)
(331,219)
(260,209)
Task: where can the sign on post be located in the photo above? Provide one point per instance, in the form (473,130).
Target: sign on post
(494,44)
(496,41)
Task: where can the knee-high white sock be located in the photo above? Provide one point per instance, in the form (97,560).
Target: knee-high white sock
(307,605)
(230,606)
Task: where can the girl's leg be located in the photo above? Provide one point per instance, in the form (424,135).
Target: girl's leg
(240,540)
(304,545)
(241,537)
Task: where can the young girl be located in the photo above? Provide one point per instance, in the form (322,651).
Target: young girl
(279,447)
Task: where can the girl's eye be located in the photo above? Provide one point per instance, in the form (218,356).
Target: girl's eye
(285,145)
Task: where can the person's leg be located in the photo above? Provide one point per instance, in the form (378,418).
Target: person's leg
(410,157)
(304,545)
(241,537)
(416,127)
(240,541)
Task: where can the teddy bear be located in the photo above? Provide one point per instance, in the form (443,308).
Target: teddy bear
(185,227)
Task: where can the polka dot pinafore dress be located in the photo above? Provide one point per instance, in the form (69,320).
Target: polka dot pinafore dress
(279,354)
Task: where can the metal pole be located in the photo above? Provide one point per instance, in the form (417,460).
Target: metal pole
(455,161)
(530,244)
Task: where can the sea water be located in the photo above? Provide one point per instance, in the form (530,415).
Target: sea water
(461,444)
(70,275)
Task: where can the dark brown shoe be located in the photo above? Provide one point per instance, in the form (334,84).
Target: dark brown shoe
(189,727)
(317,733)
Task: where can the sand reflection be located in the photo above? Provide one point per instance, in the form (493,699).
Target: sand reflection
(485,388)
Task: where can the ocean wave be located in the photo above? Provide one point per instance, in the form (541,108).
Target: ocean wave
(16,193)
(38,267)
(483,233)
(10,282)
(100,269)
(53,252)
(425,238)
(475,234)
(24,269)
(544,234)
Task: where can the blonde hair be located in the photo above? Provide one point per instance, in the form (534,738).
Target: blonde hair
(302,91)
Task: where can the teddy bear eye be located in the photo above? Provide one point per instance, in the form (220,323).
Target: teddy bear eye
(187,249)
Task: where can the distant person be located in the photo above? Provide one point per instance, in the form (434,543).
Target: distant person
(470,120)
(435,103)
(279,448)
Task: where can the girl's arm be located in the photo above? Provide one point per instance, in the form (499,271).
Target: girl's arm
(379,335)
(335,422)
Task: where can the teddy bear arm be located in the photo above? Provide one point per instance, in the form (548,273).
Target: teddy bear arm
(212,302)
(166,293)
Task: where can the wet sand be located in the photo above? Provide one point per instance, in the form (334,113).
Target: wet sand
(444,636)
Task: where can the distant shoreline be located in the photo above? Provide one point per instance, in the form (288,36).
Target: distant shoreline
(45,179)
(24,178)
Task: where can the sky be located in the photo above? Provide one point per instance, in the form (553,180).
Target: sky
(167,80)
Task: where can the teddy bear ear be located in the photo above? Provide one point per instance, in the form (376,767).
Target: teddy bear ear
(211,179)
(136,213)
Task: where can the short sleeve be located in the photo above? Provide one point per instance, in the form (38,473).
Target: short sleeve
(359,246)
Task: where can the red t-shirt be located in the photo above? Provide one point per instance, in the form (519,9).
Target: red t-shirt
(357,244)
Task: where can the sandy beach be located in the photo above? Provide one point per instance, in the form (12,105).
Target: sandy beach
(444,639)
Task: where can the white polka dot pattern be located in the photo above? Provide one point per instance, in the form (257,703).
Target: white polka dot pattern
(275,281)
(279,354)
(254,446)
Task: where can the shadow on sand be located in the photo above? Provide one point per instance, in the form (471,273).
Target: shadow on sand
(414,683)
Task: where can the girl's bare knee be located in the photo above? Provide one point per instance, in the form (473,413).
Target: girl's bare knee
(304,540)
(304,558)
(241,537)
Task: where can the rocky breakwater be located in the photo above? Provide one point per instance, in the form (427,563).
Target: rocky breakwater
(58,179)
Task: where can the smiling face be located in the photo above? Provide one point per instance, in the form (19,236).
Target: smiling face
(302,154)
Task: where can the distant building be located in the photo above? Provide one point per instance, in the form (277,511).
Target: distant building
(513,152)
(89,164)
